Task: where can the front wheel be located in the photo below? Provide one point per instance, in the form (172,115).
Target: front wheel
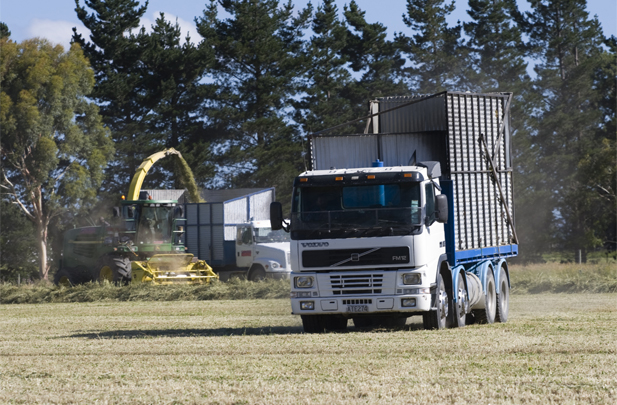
(313,323)
(458,309)
(257,273)
(503,298)
(64,278)
(114,269)
(436,318)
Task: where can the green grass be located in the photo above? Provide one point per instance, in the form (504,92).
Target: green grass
(555,348)
(568,278)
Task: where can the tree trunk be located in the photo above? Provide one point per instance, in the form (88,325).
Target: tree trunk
(42,248)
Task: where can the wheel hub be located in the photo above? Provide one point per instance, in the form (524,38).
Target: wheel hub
(443,304)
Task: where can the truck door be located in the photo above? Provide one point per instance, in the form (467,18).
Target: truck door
(244,246)
(435,237)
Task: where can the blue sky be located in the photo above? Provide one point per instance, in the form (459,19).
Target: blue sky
(54,19)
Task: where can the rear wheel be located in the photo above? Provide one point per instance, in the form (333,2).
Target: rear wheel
(458,309)
(257,273)
(313,323)
(503,298)
(487,315)
(436,318)
(114,269)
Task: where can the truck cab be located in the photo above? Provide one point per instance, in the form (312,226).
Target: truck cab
(264,252)
(366,242)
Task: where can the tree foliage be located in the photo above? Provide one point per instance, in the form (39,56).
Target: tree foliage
(567,137)
(324,102)
(17,244)
(54,146)
(256,75)
(434,49)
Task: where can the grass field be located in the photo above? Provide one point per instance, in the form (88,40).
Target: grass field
(556,348)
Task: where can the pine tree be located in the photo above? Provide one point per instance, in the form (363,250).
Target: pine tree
(173,74)
(4,31)
(327,78)
(566,118)
(374,57)
(256,73)
(116,57)
(434,50)
(496,49)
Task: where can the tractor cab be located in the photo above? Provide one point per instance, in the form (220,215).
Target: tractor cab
(152,226)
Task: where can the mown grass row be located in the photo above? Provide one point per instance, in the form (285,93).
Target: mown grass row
(235,289)
(532,279)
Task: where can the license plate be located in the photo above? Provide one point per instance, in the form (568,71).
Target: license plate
(357,308)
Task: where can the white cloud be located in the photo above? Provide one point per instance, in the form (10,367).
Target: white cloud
(56,31)
(185,26)
(61,32)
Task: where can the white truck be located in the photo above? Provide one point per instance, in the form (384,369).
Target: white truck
(260,252)
(412,218)
(231,232)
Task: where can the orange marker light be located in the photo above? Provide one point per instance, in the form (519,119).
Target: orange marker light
(407,175)
(303,179)
(371,177)
(338,178)
(123,197)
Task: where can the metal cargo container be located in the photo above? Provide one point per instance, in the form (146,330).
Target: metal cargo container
(211,226)
(464,132)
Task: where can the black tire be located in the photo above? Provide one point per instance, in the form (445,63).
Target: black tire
(257,273)
(487,315)
(436,319)
(503,298)
(313,323)
(334,323)
(64,278)
(114,269)
(458,314)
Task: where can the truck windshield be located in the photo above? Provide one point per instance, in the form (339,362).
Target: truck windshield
(267,235)
(355,211)
(155,224)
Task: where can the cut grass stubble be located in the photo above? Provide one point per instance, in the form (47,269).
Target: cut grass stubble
(559,348)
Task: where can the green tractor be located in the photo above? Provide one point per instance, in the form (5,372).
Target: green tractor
(144,243)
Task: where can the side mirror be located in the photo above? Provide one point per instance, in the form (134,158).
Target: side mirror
(179,211)
(441,208)
(276,216)
(116,212)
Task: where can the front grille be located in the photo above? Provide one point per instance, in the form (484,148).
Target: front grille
(358,301)
(349,284)
(355,257)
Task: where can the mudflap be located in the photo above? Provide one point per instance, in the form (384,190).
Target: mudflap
(173,269)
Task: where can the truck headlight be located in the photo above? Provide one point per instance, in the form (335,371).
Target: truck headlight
(304,281)
(307,305)
(408,302)
(412,278)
